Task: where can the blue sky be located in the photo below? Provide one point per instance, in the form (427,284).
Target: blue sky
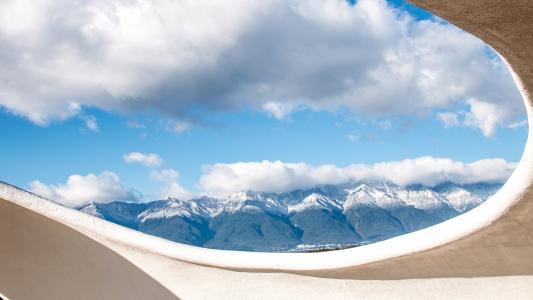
(251,94)
(54,152)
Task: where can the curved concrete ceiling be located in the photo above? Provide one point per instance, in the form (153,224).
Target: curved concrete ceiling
(51,252)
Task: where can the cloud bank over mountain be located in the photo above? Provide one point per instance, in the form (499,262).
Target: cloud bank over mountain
(277,176)
(220,179)
(59,57)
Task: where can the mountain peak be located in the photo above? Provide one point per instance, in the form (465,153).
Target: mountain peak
(345,214)
(315,201)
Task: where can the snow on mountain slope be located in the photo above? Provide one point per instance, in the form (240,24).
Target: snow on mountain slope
(249,201)
(91,209)
(365,194)
(462,200)
(347,214)
(315,201)
(173,207)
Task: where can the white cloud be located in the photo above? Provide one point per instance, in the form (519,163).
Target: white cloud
(277,176)
(449,119)
(135,124)
(171,186)
(518,124)
(353,137)
(91,123)
(79,190)
(147,159)
(278,110)
(485,116)
(321,54)
(181,127)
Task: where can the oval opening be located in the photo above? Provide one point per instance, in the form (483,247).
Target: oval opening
(292,128)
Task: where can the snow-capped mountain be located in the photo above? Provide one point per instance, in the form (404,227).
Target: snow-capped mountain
(340,215)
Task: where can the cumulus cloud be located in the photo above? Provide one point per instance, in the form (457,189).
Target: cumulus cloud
(181,127)
(171,186)
(147,159)
(278,110)
(449,119)
(135,124)
(175,56)
(277,176)
(91,123)
(353,137)
(485,116)
(79,190)
(518,124)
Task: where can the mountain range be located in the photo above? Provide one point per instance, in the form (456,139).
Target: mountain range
(324,217)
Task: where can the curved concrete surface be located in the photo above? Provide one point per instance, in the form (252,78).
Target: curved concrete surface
(40,259)
(51,252)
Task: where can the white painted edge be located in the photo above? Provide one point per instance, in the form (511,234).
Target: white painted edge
(425,239)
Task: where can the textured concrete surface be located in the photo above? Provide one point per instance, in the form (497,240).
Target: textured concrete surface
(42,259)
(54,257)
